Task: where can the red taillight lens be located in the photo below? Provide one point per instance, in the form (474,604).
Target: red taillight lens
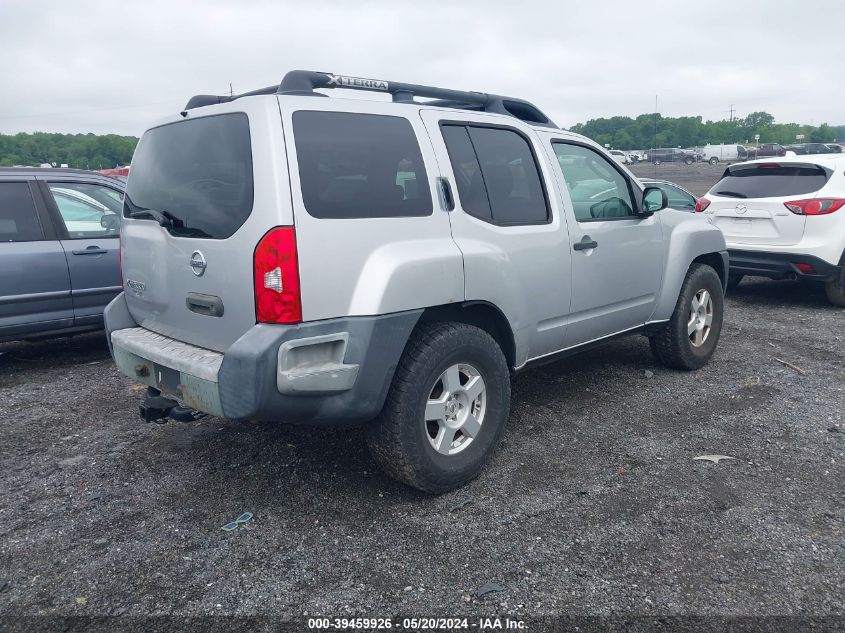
(815,206)
(701,204)
(276,277)
(807,269)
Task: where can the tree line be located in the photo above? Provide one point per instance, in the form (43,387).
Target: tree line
(83,151)
(654,130)
(92,151)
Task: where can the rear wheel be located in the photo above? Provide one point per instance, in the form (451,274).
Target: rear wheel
(689,339)
(446,409)
(656,161)
(835,288)
(688,161)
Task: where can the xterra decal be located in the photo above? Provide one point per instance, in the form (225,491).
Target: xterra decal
(340,81)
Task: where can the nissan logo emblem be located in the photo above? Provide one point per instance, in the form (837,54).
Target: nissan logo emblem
(198,264)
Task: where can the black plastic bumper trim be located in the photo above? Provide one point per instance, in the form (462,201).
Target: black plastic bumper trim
(779,265)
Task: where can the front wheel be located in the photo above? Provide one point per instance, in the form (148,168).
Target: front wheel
(713,160)
(688,161)
(446,408)
(656,161)
(689,339)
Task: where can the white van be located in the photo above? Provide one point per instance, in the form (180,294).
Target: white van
(723,153)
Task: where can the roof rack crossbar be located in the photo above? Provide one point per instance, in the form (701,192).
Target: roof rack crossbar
(304,82)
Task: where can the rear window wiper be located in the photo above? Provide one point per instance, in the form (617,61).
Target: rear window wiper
(731,194)
(164,218)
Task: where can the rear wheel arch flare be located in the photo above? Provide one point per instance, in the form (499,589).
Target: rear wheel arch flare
(483,315)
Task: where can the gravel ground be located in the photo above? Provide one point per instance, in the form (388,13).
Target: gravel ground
(592,506)
(697,178)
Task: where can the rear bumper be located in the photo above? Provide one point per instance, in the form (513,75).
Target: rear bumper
(779,265)
(328,373)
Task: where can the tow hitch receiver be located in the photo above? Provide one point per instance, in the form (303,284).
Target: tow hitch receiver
(157,408)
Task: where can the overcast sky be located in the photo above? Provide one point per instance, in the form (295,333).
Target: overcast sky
(118,65)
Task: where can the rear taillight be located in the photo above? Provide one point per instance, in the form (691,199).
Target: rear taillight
(815,206)
(120,259)
(276,278)
(701,204)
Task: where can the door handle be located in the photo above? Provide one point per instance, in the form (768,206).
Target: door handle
(91,250)
(586,243)
(208,305)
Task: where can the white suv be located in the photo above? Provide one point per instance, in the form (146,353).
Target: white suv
(783,217)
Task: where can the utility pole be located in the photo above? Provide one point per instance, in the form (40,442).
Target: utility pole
(654,142)
(231,92)
(732,112)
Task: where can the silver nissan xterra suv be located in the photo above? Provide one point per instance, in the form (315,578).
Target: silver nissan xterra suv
(288,256)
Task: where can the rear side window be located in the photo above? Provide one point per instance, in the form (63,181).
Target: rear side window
(18,221)
(497,175)
(198,172)
(770,181)
(360,166)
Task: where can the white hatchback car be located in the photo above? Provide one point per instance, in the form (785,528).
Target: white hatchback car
(783,217)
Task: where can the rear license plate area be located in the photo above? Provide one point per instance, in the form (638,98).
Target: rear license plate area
(168,380)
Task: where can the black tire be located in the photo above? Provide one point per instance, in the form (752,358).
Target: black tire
(399,438)
(672,346)
(835,288)
(656,161)
(688,161)
(734,280)
(713,160)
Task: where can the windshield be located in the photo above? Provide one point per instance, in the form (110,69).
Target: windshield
(196,172)
(770,181)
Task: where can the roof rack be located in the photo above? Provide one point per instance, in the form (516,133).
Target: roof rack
(304,82)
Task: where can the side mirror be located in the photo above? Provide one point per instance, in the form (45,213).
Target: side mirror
(654,199)
(110,221)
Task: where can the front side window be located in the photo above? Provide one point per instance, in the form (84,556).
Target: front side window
(496,174)
(87,210)
(360,166)
(197,172)
(18,221)
(597,190)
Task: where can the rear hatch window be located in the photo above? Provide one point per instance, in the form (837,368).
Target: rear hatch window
(770,181)
(197,173)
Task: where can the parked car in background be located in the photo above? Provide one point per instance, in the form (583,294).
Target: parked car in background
(239,303)
(784,218)
(636,156)
(678,198)
(620,156)
(765,150)
(723,153)
(805,149)
(59,262)
(834,148)
(671,155)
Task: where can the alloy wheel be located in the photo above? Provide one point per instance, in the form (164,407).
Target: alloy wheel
(700,318)
(454,411)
